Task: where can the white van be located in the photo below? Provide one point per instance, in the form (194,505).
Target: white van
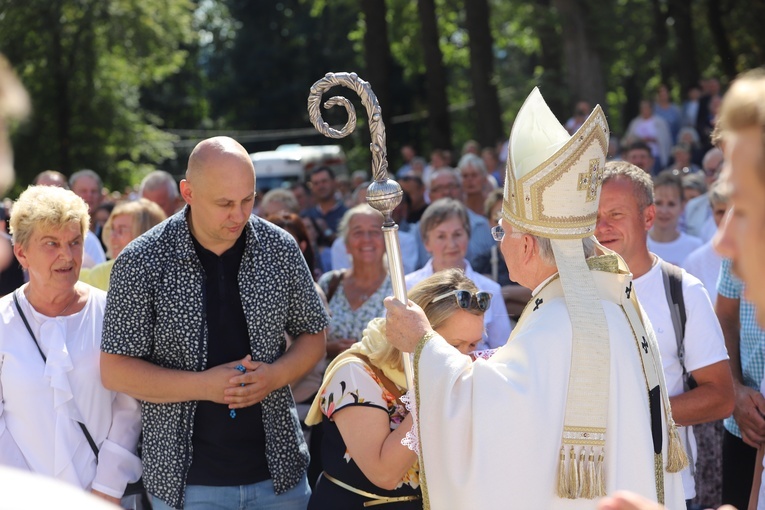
(292,163)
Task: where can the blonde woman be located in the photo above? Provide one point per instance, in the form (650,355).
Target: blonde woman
(358,402)
(56,418)
(127,221)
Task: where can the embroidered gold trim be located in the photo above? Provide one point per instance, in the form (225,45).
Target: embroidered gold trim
(584,436)
(604,263)
(523,206)
(417,353)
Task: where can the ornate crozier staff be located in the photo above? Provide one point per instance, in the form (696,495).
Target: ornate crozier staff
(383,194)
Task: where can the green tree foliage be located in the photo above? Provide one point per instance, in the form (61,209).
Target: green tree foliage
(262,80)
(84,63)
(111,79)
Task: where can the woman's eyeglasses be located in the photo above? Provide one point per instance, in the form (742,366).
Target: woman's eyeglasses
(466,300)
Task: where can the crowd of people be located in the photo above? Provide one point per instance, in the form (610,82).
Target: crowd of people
(230,334)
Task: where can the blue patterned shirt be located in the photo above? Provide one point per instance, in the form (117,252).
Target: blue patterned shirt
(752,337)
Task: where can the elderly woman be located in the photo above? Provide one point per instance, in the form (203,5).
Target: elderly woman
(127,221)
(356,295)
(364,421)
(473,172)
(56,418)
(445,230)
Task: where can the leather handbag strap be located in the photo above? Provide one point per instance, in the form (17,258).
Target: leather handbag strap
(387,383)
(334,283)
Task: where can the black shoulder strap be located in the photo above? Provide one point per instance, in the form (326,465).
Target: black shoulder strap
(37,344)
(26,323)
(673,287)
(334,283)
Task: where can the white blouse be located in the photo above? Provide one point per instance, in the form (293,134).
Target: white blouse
(41,403)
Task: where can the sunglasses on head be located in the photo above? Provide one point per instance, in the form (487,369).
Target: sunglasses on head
(466,300)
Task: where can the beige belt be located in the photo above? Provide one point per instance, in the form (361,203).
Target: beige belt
(378,500)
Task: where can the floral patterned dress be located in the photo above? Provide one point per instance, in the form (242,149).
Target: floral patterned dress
(355,384)
(347,322)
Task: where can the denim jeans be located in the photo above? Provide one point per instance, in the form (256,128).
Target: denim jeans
(242,497)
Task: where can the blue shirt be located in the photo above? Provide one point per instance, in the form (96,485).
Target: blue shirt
(752,337)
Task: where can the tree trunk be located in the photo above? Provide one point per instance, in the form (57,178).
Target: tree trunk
(728,60)
(63,113)
(488,118)
(584,73)
(551,81)
(660,40)
(378,58)
(439,127)
(687,66)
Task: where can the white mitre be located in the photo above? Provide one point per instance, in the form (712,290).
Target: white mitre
(553,179)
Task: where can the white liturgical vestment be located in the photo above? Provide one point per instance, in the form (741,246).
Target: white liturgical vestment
(490,430)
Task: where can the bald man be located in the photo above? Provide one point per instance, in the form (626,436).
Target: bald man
(195,328)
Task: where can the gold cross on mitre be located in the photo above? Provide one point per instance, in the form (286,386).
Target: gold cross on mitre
(589,181)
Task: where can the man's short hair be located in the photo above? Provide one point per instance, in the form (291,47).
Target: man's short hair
(744,107)
(469,160)
(159,179)
(444,171)
(639,146)
(413,177)
(642,185)
(85,173)
(320,169)
(301,185)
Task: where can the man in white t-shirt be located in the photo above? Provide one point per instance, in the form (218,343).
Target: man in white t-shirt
(625,214)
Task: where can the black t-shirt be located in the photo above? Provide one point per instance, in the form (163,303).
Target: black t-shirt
(227,451)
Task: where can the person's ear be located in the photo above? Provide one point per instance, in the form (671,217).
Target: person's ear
(186,191)
(21,255)
(649,215)
(528,246)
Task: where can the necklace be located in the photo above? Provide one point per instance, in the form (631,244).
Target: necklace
(363,293)
(62,312)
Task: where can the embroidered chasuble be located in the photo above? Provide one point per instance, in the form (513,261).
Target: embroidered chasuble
(490,430)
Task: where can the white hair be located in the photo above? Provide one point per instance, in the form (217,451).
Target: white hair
(469,160)
(548,256)
(158,179)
